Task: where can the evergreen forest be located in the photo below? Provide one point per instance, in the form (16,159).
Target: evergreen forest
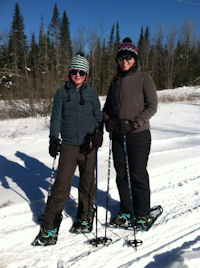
(32,70)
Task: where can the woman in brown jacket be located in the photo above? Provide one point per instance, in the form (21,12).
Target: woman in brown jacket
(130,103)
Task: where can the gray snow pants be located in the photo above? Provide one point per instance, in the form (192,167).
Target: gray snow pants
(70,157)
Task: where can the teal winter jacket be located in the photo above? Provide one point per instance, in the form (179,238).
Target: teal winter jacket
(71,119)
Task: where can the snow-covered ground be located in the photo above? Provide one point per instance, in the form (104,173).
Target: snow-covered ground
(174,168)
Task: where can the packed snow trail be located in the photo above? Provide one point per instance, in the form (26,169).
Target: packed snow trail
(177,228)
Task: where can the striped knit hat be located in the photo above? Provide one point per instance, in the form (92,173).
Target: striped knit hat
(79,62)
(127,47)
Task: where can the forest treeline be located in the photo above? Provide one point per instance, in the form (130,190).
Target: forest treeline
(32,70)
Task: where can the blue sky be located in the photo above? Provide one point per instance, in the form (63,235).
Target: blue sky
(90,14)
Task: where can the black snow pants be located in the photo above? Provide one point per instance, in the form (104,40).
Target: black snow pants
(138,147)
(70,157)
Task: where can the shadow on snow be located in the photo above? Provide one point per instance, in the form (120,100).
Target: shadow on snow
(169,258)
(32,180)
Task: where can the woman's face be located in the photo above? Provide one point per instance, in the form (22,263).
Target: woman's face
(78,77)
(126,62)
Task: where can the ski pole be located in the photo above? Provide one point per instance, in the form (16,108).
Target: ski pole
(51,181)
(95,241)
(108,185)
(98,240)
(52,178)
(133,243)
(96,209)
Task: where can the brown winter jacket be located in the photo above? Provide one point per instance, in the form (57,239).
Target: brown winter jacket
(133,97)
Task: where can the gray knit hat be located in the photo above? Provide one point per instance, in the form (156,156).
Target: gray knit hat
(79,62)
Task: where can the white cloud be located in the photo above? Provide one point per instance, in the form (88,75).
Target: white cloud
(189,2)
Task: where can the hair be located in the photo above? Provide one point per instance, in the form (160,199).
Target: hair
(119,74)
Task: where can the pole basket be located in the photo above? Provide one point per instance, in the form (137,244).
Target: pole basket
(134,243)
(104,241)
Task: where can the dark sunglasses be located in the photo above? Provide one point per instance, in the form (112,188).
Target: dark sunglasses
(127,58)
(81,73)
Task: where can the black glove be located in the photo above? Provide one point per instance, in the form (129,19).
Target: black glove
(97,139)
(126,126)
(111,125)
(86,147)
(91,141)
(54,146)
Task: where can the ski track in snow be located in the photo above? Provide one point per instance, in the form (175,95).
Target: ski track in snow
(173,241)
(166,193)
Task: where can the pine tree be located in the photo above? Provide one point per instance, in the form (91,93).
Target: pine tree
(65,42)
(143,48)
(193,72)
(196,61)
(179,62)
(117,37)
(184,63)
(54,29)
(169,59)
(92,58)
(17,43)
(157,59)
(33,56)
(110,57)
(98,67)
(4,56)
(146,48)
(43,50)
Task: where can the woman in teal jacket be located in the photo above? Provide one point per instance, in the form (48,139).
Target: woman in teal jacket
(77,119)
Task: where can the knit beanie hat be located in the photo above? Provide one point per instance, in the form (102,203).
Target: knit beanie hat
(127,48)
(79,62)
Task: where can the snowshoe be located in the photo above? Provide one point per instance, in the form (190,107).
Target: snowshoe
(48,237)
(123,220)
(82,226)
(146,222)
(143,223)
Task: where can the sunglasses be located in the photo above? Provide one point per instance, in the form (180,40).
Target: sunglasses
(127,58)
(81,73)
